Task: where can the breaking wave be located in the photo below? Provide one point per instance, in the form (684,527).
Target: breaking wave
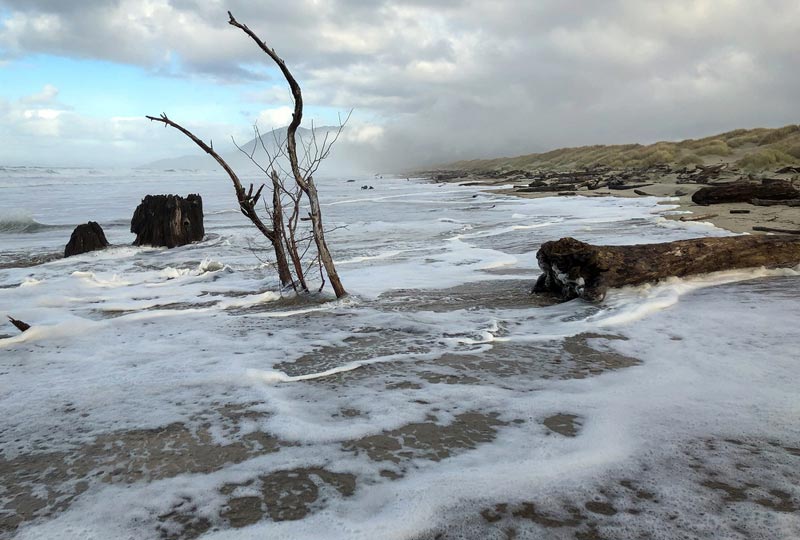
(22,222)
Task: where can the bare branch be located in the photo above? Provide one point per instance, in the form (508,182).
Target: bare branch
(297,94)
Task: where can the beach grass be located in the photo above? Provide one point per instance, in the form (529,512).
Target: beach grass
(754,150)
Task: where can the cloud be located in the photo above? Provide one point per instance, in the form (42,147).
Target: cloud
(269,119)
(47,95)
(461,78)
(363,134)
(38,129)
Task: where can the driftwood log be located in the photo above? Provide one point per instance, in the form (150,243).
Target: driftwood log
(701,174)
(627,186)
(85,238)
(784,202)
(574,269)
(746,192)
(773,230)
(168,220)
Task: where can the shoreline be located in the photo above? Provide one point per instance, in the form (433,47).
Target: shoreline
(737,218)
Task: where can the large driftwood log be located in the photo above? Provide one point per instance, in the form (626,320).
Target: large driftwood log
(576,269)
(168,220)
(85,238)
(745,192)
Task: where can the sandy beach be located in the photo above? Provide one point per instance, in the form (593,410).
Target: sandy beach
(734,217)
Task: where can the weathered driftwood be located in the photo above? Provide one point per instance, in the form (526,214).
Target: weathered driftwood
(701,174)
(701,217)
(785,202)
(85,238)
(547,189)
(627,186)
(574,269)
(168,220)
(21,326)
(779,231)
(745,192)
(598,185)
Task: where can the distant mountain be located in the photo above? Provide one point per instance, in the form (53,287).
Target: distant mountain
(240,162)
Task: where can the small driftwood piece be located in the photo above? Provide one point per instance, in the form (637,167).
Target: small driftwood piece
(547,189)
(574,269)
(628,186)
(642,193)
(21,326)
(780,231)
(701,217)
(740,192)
(740,211)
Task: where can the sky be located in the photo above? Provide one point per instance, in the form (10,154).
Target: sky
(429,81)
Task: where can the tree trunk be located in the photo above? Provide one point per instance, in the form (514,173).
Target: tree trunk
(319,238)
(278,242)
(575,269)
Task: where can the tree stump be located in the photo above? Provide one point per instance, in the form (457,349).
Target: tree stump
(168,220)
(574,269)
(746,192)
(85,238)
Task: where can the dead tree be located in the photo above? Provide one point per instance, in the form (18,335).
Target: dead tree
(303,179)
(296,184)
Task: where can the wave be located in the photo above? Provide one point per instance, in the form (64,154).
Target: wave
(28,170)
(24,223)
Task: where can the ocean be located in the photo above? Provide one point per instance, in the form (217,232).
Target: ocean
(179,394)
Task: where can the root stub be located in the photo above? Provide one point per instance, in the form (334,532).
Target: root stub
(574,269)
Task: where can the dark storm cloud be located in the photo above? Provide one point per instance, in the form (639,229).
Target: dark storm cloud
(460,78)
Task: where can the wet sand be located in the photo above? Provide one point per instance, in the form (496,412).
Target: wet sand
(727,474)
(721,473)
(40,485)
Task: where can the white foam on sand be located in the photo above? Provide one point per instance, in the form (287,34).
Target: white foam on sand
(135,338)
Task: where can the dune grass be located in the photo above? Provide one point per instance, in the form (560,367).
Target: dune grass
(754,150)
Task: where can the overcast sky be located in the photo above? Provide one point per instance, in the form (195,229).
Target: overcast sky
(430,81)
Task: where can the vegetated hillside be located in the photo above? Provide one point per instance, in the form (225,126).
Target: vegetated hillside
(752,150)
